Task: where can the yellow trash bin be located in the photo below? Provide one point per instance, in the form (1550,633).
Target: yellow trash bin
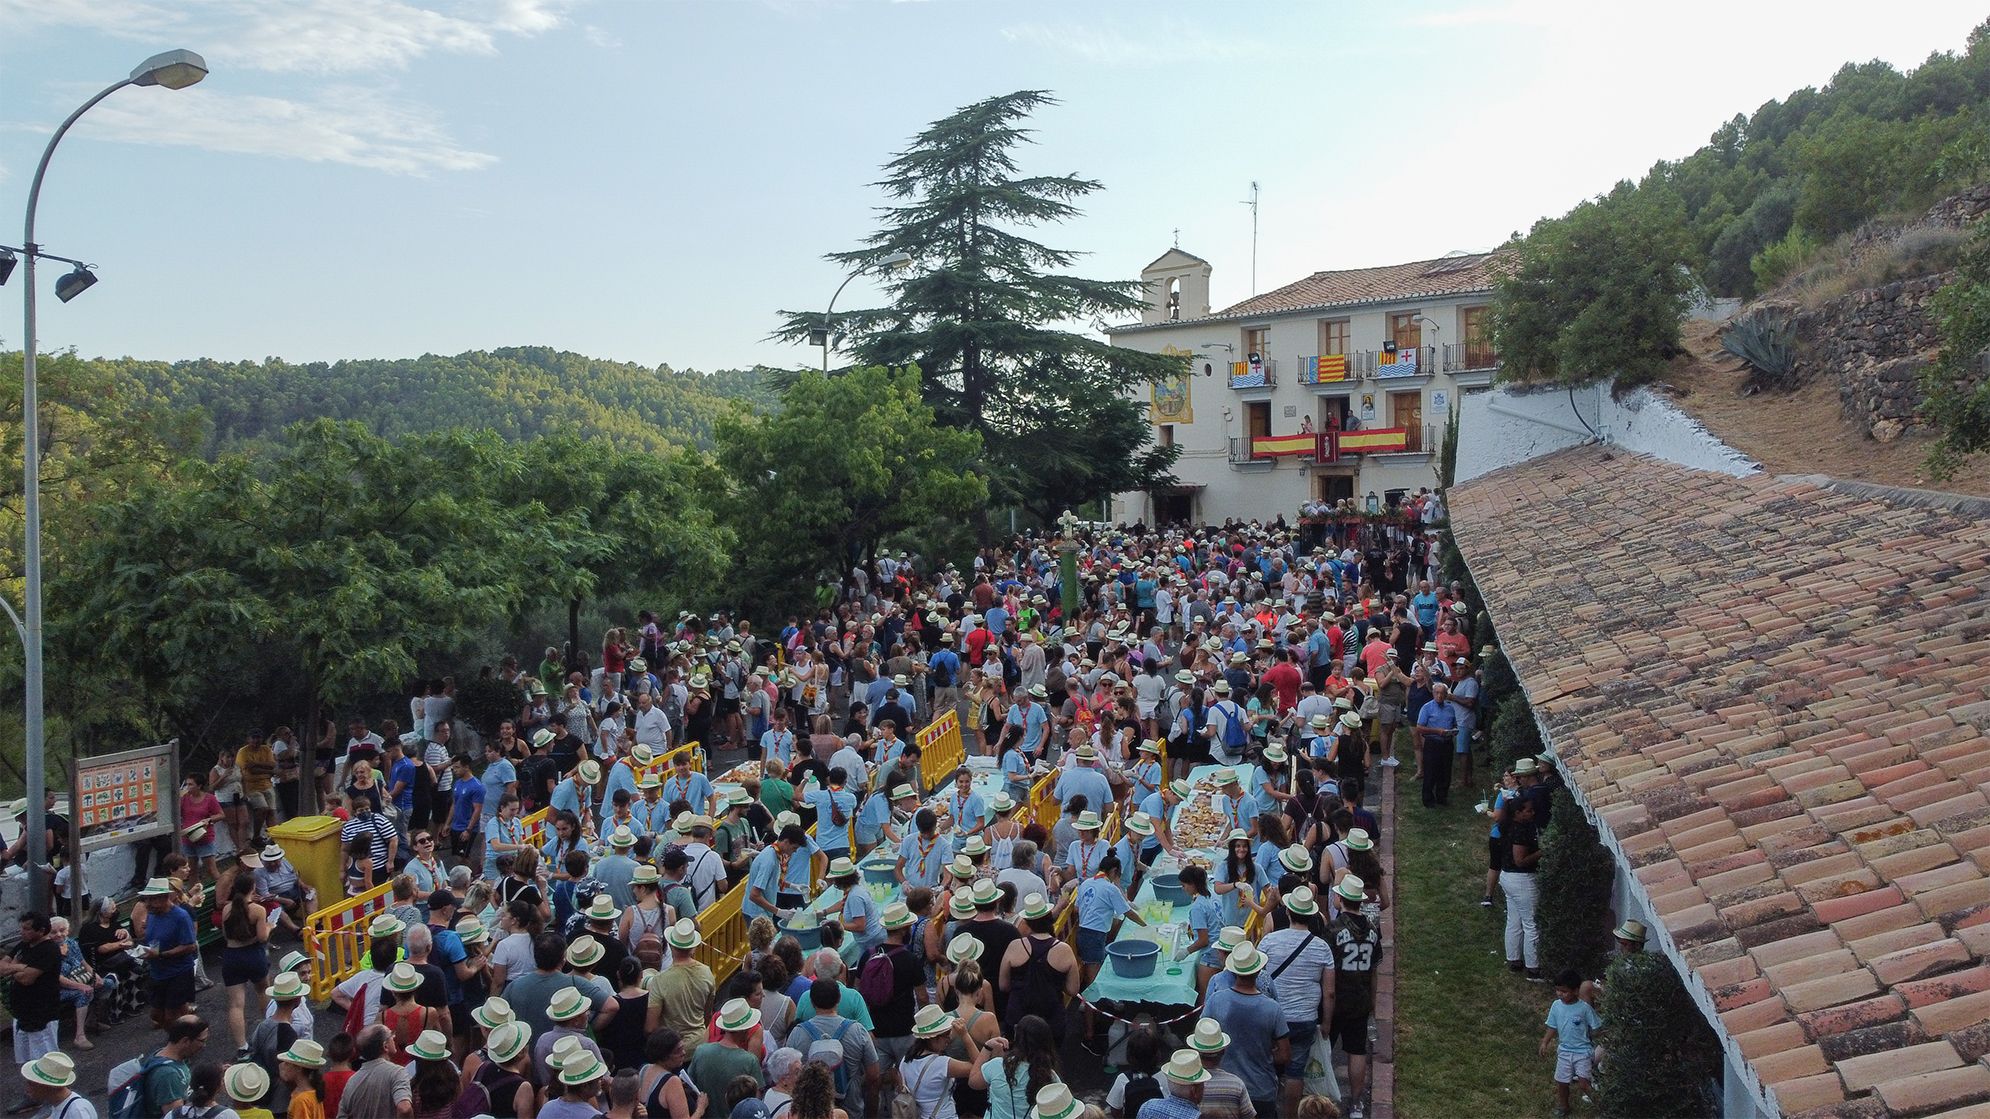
(311,843)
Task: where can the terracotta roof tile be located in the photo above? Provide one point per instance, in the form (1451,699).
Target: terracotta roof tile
(1793,753)
(1460,274)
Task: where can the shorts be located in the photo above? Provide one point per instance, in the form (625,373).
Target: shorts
(1349,1031)
(1493,847)
(244,965)
(1572,1066)
(1302,1036)
(199,851)
(1092,946)
(261,802)
(173,992)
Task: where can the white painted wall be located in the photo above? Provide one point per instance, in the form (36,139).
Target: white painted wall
(1505,427)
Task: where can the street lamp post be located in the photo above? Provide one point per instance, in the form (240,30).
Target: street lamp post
(176,69)
(896,262)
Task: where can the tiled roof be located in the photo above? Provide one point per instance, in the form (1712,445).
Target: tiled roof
(1458,274)
(1774,692)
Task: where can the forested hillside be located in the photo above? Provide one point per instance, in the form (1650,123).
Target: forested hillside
(518,392)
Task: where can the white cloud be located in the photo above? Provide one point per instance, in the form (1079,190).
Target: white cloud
(1168,41)
(601,38)
(124,18)
(358,127)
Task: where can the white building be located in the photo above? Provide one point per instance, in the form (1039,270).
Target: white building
(1336,386)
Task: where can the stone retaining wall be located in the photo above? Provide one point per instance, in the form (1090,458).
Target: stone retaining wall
(1874,344)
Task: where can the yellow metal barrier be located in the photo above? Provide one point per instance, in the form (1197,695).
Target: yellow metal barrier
(941,750)
(1043,807)
(723,925)
(535,827)
(335,938)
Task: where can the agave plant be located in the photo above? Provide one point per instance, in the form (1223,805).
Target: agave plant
(1762,339)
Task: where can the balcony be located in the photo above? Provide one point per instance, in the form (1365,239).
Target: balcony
(1383,365)
(1409,439)
(1245,378)
(1470,357)
(1243,458)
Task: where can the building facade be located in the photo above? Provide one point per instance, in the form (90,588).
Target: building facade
(1336,387)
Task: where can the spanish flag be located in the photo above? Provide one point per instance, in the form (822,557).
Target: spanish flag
(1382,439)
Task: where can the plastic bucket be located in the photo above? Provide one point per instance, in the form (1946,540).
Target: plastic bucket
(1133,959)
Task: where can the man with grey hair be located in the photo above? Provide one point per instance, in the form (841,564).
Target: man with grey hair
(783,1066)
(828,965)
(419,942)
(1021,873)
(382,1087)
(1437,735)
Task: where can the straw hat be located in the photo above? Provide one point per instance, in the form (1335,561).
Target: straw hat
(564,1049)
(403,978)
(1184,677)
(736,1016)
(1228,937)
(508,1041)
(1318,722)
(1275,754)
(272,853)
(1526,767)
(963,948)
(386,925)
(646,875)
(1139,823)
(1296,859)
(471,930)
(931,1021)
(568,1003)
(641,754)
(962,867)
(738,797)
(1208,1037)
(684,935)
(975,845)
(55,1070)
(433,1046)
(1357,840)
(1351,888)
(1237,835)
(494,1013)
(1181,788)
(1350,721)
(157,888)
(251,859)
(1003,802)
(589,772)
(961,905)
(1035,907)
(622,837)
(1088,820)
(1245,959)
(247,1083)
(1185,1067)
(304,1053)
(897,916)
(1300,902)
(1633,931)
(542,738)
(1056,1102)
(986,892)
(1148,746)
(649,781)
(585,952)
(287,986)
(841,867)
(602,908)
(584,1068)
(1085,753)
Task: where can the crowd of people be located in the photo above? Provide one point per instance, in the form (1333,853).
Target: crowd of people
(1229,691)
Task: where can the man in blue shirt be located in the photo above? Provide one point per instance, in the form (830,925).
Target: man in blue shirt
(401,777)
(925,853)
(172,942)
(777,884)
(1084,778)
(778,743)
(1425,605)
(1437,734)
(1033,716)
(997,619)
(835,806)
(687,785)
(500,776)
(1256,1025)
(466,817)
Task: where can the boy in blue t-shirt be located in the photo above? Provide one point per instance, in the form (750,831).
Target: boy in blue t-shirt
(1573,1022)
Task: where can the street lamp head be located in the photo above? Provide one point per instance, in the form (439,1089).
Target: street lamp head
(896,262)
(78,281)
(171,69)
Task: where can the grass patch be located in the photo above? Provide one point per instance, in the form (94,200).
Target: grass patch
(1466,1028)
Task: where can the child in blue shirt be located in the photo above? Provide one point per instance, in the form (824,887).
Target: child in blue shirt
(1571,1024)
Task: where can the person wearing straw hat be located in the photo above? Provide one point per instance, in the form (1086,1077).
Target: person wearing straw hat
(504,1073)
(247,1085)
(714,1066)
(1083,778)
(1184,1079)
(929,1069)
(279,1031)
(1086,852)
(680,993)
(580,1086)
(1299,963)
(300,1074)
(1255,1023)
(171,945)
(567,1017)
(49,1080)
(856,908)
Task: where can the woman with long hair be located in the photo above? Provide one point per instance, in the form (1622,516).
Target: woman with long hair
(244,956)
(930,1070)
(1237,880)
(1013,1079)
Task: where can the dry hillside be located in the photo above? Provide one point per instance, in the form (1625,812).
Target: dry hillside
(1800,432)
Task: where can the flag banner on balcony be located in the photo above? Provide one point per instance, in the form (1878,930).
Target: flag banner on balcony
(1324,369)
(1247,374)
(1275,446)
(1399,363)
(1372,440)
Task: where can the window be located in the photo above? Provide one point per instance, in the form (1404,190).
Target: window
(1406,412)
(1257,340)
(1167,435)
(1175,299)
(1476,326)
(1333,336)
(1257,418)
(1406,329)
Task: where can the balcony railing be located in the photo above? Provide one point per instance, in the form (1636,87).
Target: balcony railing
(1470,357)
(1244,376)
(1381,365)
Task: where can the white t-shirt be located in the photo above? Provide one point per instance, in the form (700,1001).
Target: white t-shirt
(1026,882)
(652,728)
(932,1089)
(365,985)
(513,954)
(1297,988)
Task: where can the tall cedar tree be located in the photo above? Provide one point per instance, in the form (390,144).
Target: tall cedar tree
(978,310)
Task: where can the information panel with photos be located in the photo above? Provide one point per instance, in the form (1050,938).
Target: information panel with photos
(124,797)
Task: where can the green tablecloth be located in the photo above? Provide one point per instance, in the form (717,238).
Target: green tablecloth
(1161,987)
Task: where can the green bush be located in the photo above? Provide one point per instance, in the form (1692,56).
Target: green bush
(1514,734)
(1783,259)
(1483,633)
(1663,1058)
(1577,874)
(1497,687)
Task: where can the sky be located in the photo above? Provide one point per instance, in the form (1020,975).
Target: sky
(653,180)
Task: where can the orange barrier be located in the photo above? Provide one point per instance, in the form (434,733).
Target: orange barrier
(941,750)
(335,938)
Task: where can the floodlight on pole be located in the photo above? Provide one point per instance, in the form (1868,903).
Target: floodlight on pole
(175,69)
(894,262)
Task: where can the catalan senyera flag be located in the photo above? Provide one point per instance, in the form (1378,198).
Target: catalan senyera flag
(1374,439)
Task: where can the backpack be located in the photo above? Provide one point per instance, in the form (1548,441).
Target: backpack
(1235,737)
(829,1048)
(878,981)
(1139,1089)
(128,1101)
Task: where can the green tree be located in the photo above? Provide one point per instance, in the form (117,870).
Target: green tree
(1956,385)
(1663,1056)
(847,462)
(1577,876)
(1597,293)
(633,521)
(981,309)
(345,555)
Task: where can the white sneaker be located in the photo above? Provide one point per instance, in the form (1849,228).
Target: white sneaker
(1392,761)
